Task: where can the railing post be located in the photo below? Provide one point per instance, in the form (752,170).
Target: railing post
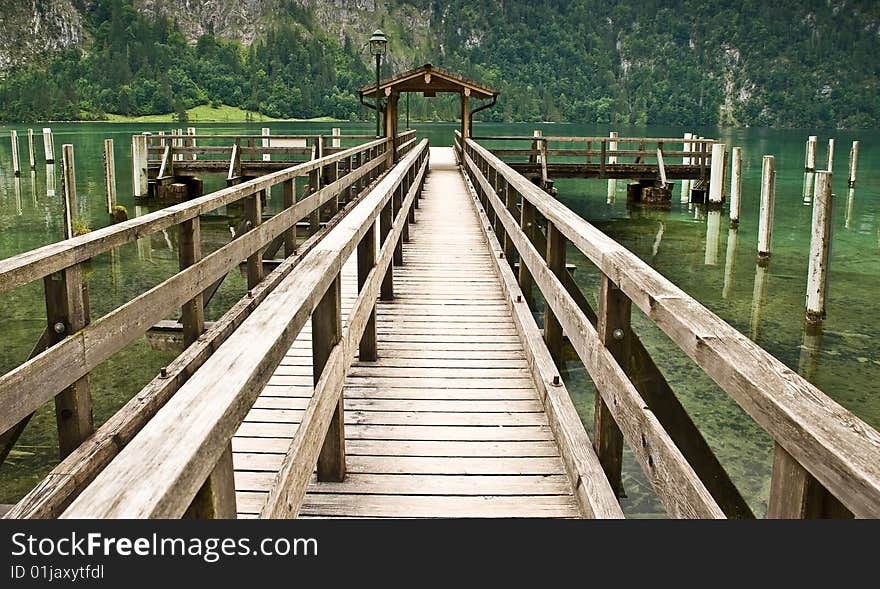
(795,494)
(216,498)
(366,261)
(510,202)
(527,223)
(556,261)
(314,186)
(67,311)
(331,175)
(289,199)
(397,200)
(386,219)
(326,333)
(189,252)
(253,214)
(613,327)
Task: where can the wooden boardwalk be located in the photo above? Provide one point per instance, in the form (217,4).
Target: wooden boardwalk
(447,422)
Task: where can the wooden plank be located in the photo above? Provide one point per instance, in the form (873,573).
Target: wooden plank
(335,505)
(429,448)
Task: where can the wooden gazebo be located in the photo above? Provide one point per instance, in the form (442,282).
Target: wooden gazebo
(428,80)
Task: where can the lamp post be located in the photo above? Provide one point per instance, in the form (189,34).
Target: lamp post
(378,46)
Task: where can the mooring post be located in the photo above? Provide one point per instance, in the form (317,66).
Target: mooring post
(326,333)
(337,134)
(31,152)
(686,161)
(853,164)
(190,252)
(768,195)
(109,175)
(16,165)
(191,131)
(48,145)
(613,327)
(810,157)
(556,243)
(366,261)
(265,141)
(716,175)
(68,189)
(735,184)
(67,312)
(830,167)
(139,178)
(819,246)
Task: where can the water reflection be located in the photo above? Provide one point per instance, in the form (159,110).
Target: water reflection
(810,350)
(713,236)
(17,189)
(809,177)
(50,179)
(144,249)
(657,239)
(850,201)
(729,262)
(34,187)
(761,274)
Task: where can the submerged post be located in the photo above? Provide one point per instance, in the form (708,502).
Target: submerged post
(819,247)
(48,145)
(109,175)
(31,152)
(139,165)
(16,165)
(768,195)
(716,175)
(853,163)
(735,185)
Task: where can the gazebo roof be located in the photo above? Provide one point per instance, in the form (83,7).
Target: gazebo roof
(430,80)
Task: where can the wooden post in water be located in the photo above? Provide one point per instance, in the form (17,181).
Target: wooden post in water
(716,175)
(810,157)
(336,141)
(266,142)
(768,195)
(48,145)
(612,159)
(735,185)
(109,175)
(31,152)
(326,333)
(68,189)
(830,167)
(819,246)
(613,327)
(853,164)
(16,165)
(191,131)
(139,165)
(686,161)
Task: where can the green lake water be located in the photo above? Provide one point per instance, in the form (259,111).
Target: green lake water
(692,247)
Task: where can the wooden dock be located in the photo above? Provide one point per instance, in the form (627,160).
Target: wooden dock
(447,422)
(390,364)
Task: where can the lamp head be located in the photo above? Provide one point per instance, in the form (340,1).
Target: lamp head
(378,43)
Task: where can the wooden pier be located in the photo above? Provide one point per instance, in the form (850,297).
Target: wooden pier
(388,363)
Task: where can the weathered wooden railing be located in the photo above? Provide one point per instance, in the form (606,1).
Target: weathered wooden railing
(180,464)
(826,461)
(608,154)
(74,346)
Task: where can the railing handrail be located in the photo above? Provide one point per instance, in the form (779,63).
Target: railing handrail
(160,471)
(837,448)
(574,139)
(36,264)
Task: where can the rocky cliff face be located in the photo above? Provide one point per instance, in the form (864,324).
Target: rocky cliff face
(230,19)
(32,30)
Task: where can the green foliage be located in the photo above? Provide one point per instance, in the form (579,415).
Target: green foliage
(683,62)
